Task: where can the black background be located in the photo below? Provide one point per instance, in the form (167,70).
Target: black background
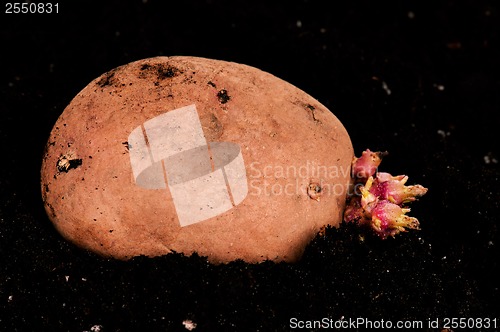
(421,81)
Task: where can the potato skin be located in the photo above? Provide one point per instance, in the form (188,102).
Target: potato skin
(297,158)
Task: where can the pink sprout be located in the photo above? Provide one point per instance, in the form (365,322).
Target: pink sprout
(379,197)
(366,165)
(388,219)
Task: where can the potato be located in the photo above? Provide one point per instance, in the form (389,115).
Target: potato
(189,155)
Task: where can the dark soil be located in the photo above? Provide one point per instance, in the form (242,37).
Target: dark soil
(420,81)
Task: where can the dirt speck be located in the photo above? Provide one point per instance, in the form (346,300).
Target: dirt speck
(223,96)
(67,162)
(159,71)
(108,79)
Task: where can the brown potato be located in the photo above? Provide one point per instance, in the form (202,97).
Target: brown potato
(191,155)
